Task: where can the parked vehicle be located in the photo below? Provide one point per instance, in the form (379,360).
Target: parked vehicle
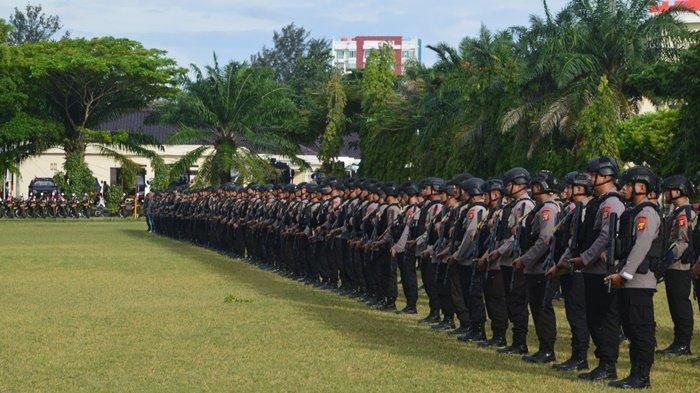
(44,185)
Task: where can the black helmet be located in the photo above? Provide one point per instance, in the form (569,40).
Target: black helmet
(516,175)
(603,165)
(578,179)
(391,189)
(493,184)
(436,183)
(461,177)
(680,183)
(411,189)
(452,189)
(547,180)
(641,174)
(474,186)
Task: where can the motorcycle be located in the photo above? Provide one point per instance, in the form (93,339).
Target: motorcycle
(126,207)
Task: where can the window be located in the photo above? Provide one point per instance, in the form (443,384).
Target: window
(353,54)
(53,166)
(340,54)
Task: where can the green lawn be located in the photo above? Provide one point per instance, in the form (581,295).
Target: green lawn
(104,306)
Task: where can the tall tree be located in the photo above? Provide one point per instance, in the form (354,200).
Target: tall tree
(33,25)
(239,110)
(385,134)
(303,64)
(332,138)
(567,54)
(83,82)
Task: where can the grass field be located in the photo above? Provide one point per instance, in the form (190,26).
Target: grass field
(105,307)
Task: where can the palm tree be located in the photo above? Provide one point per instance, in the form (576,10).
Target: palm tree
(568,55)
(238,110)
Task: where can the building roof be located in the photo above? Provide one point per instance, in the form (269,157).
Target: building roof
(136,122)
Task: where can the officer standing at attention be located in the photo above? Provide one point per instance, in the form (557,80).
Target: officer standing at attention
(539,229)
(640,245)
(580,225)
(517,183)
(602,310)
(680,254)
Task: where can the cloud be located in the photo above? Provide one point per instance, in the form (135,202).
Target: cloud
(133,17)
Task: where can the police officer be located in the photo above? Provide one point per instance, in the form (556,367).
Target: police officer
(406,257)
(640,246)
(535,243)
(494,289)
(578,192)
(602,309)
(517,183)
(680,255)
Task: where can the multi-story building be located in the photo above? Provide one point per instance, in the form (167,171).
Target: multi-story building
(692,20)
(351,53)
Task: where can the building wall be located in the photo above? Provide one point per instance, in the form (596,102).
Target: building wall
(51,162)
(349,54)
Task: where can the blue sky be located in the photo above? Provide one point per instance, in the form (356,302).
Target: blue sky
(191,30)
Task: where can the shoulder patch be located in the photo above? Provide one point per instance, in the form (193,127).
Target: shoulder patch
(546,213)
(681,220)
(471,213)
(606,211)
(641,223)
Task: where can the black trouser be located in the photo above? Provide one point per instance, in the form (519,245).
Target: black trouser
(603,318)
(409,277)
(539,297)
(495,297)
(678,295)
(516,301)
(428,272)
(458,274)
(637,316)
(572,288)
(388,268)
(475,298)
(443,287)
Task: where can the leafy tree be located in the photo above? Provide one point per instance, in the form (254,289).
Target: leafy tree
(32,25)
(567,54)
(238,109)
(597,125)
(676,82)
(646,139)
(332,139)
(77,178)
(83,82)
(303,64)
(5,29)
(384,137)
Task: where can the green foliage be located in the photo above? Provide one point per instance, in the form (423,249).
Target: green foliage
(238,109)
(597,126)
(77,178)
(5,30)
(161,174)
(113,199)
(676,82)
(332,139)
(32,25)
(647,138)
(82,82)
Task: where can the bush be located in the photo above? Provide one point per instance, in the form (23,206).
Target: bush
(113,198)
(77,178)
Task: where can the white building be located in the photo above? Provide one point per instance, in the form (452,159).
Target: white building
(351,53)
(108,170)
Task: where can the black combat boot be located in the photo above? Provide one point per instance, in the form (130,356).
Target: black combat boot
(540,357)
(575,362)
(478,334)
(603,371)
(514,349)
(433,317)
(389,305)
(447,323)
(495,341)
(461,330)
(409,309)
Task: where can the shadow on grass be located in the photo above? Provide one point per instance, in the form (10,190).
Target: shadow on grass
(367,328)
